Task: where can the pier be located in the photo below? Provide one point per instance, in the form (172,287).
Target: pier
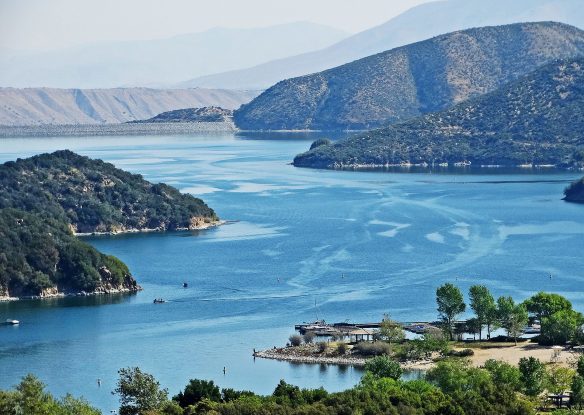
(321,328)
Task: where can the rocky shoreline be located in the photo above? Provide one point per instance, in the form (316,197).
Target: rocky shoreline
(58,294)
(300,355)
(53,130)
(198,227)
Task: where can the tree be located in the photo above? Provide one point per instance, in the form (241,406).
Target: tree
(560,327)
(196,391)
(450,304)
(577,396)
(533,375)
(544,304)
(580,365)
(559,379)
(504,375)
(483,304)
(384,367)
(513,317)
(390,330)
(139,392)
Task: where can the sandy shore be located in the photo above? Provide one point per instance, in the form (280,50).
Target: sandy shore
(512,354)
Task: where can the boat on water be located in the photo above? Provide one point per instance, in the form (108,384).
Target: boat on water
(12,322)
(159,301)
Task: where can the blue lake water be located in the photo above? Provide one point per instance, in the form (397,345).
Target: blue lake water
(356,244)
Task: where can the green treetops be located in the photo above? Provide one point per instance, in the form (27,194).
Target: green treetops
(139,392)
(533,375)
(545,304)
(483,304)
(390,330)
(450,305)
(513,317)
(384,367)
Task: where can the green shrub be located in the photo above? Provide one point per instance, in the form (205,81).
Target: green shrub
(372,349)
(308,337)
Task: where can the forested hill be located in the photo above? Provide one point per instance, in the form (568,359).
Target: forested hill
(94,196)
(408,81)
(44,198)
(39,256)
(536,120)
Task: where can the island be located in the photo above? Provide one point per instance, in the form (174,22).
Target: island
(46,200)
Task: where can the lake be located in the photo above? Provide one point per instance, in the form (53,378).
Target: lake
(303,244)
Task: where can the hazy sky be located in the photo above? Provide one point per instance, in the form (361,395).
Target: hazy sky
(48,24)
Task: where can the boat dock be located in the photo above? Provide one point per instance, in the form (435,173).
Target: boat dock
(321,328)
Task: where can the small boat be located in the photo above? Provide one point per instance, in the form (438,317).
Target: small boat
(185,285)
(12,322)
(159,301)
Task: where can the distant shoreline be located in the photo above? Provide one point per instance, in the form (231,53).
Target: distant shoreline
(73,130)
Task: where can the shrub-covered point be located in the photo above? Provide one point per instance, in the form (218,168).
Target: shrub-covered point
(95,196)
(37,253)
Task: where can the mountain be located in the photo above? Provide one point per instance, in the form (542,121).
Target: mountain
(575,192)
(45,198)
(536,120)
(162,61)
(411,80)
(416,24)
(33,106)
(204,114)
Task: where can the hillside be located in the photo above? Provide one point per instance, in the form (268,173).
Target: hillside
(39,257)
(536,120)
(94,196)
(165,61)
(403,83)
(416,24)
(34,106)
(575,192)
(204,114)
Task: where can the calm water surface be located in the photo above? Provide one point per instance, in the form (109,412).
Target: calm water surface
(395,237)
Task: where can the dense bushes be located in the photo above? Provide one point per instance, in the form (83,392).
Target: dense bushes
(29,397)
(372,349)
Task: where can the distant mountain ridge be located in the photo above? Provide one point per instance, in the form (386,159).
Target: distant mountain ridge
(204,114)
(34,106)
(405,82)
(536,120)
(162,62)
(416,24)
